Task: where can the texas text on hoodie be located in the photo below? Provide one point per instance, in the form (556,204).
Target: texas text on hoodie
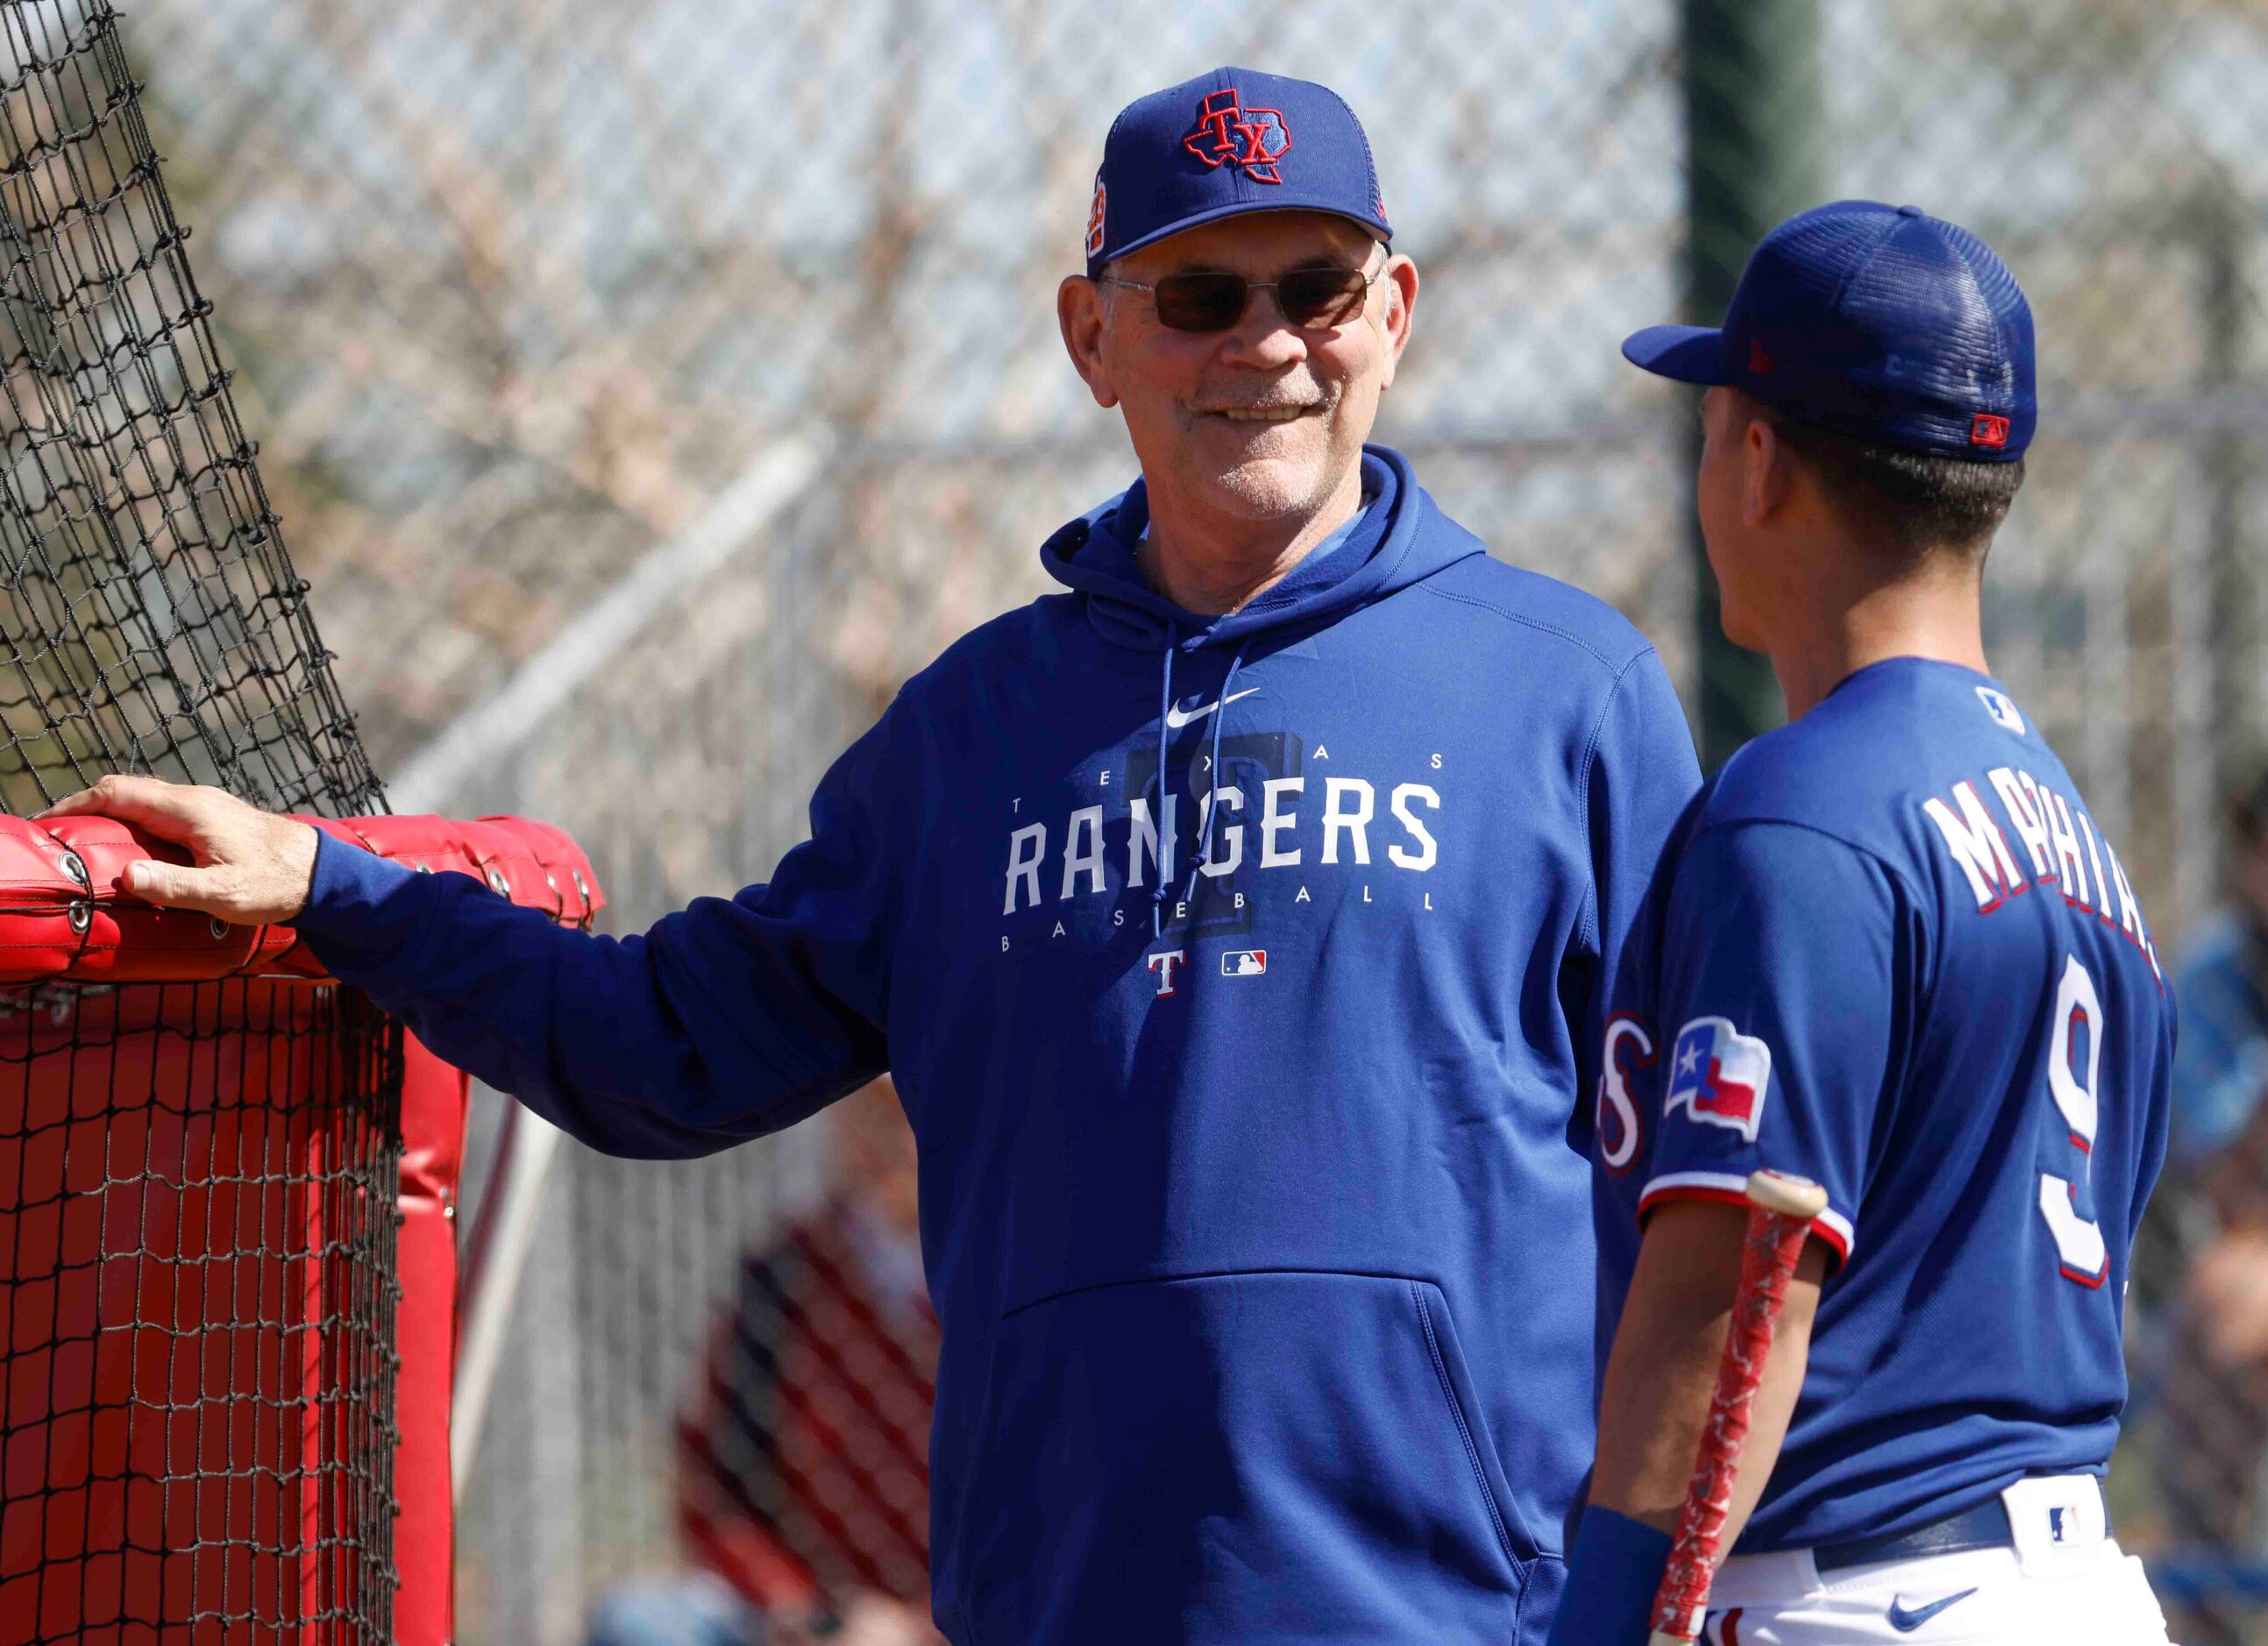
(1264,1269)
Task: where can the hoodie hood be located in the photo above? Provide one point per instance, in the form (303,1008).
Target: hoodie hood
(1400,538)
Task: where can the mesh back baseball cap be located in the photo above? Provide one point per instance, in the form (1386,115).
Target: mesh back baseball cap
(1880,322)
(1228,143)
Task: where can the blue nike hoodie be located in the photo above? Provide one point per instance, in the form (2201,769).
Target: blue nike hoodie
(1238,974)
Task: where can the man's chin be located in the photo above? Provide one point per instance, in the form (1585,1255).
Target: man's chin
(1269,488)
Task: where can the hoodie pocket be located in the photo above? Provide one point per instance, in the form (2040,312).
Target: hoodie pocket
(1288,1455)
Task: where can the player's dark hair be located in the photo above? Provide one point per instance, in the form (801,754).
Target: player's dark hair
(1911,502)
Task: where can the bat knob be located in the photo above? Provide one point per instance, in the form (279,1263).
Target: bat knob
(1785,1196)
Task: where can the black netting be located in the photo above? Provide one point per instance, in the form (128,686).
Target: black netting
(197,1184)
(196,1315)
(153,621)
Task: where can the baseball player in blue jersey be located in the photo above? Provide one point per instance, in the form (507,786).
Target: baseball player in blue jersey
(1889,949)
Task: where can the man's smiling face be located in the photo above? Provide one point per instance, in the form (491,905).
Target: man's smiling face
(1263,420)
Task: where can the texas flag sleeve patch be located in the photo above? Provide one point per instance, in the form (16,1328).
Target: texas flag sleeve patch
(1718,1076)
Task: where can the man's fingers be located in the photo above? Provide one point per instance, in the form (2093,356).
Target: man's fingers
(253,868)
(175,886)
(70,805)
(165,809)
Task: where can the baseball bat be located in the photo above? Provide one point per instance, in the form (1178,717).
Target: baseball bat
(1781,1211)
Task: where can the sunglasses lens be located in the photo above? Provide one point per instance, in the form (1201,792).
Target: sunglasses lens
(1320,297)
(1201,302)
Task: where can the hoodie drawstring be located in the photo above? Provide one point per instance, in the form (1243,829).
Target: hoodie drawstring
(1212,773)
(1164,839)
(1165,725)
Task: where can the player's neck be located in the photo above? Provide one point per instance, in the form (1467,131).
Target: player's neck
(1936,613)
(1209,563)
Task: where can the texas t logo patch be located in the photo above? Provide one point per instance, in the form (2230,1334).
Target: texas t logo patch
(1719,1075)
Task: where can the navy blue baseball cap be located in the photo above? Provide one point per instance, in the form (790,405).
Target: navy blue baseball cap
(1876,321)
(1225,144)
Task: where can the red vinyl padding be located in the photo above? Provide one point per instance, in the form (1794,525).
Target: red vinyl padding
(63,917)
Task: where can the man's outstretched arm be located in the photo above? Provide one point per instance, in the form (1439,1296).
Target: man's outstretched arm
(726,1020)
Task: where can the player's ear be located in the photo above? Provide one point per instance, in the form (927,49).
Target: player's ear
(1767,470)
(1082,312)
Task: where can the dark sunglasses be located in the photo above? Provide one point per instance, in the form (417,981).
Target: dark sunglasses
(1210,301)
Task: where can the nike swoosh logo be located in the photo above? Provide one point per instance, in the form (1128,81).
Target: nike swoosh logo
(1177,718)
(1906,1622)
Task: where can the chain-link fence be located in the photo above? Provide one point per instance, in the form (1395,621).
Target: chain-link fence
(524,291)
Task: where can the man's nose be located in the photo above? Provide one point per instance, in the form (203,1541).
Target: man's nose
(1263,337)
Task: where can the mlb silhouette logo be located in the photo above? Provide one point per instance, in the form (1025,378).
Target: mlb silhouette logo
(2056,1527)
(1244,963)
(1718,1076)
(1095,219)
(2004,712)
(1987,431)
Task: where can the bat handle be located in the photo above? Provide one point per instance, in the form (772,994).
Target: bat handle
(1781,1212)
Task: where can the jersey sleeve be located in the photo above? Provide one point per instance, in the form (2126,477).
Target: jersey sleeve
(729,1019)
(1781,952)
(1641,778)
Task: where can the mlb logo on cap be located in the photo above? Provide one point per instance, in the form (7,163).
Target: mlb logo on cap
(1718,1076)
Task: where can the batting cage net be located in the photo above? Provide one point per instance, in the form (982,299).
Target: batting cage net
(197,1181)
(153,621)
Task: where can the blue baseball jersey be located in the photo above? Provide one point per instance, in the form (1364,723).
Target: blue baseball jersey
(1889,949)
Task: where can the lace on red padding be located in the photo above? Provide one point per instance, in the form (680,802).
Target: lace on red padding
(63,918)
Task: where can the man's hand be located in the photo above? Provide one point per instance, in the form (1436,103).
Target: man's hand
(252,867)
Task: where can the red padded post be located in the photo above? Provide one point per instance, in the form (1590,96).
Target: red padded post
(433,1102)
(188,1348)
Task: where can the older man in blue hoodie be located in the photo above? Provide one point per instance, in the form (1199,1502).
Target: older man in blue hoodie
(1236,926)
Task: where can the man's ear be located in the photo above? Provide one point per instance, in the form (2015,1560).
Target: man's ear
(1400,279)
(1768,478)
(1081,312)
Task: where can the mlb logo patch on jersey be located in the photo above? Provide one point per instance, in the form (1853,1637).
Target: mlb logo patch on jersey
(1244,963)
(1719,1075)
(2002,709)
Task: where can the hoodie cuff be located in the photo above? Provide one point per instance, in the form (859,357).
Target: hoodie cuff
(1613,1570)
(360,907)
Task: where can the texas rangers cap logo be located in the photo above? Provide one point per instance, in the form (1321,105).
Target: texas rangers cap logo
(1229,134)
(1718,1076)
